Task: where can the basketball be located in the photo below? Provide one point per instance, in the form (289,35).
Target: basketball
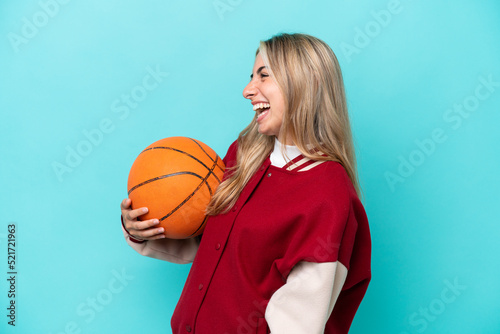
(175,179)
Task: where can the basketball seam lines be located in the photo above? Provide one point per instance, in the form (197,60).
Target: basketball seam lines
(202,223)
(189,155)
(208,155)
(204,180)
(162,177)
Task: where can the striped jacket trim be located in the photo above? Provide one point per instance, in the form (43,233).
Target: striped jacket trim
(302,164)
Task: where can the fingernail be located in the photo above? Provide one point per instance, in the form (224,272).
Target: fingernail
(161,230)
(145,210)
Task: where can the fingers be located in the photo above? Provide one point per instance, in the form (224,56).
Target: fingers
(125,207)
(150,234)
(130,214)
(125,204)
(159,236)
(143,225)
(133,214)
(145,230)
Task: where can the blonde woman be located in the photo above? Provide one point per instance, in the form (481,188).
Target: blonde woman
(287,246)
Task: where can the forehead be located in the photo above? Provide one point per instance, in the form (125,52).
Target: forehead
(258,62)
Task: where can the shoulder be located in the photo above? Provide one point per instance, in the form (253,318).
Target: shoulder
(332,186)
(230,157)
(340,187)
(332,177)
(233,147)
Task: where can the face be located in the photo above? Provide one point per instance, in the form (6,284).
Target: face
(263,89)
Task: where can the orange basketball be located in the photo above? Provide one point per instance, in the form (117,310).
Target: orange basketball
(175,178)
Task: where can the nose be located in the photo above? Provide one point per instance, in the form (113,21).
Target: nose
(249,91)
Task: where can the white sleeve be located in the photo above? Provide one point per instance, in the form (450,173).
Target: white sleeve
(304,303)
(181,251)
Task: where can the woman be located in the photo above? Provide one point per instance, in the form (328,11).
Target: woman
(287,246)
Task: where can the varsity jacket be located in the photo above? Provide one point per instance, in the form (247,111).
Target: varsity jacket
(293,256)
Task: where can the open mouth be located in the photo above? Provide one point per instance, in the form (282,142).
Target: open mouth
(262,109)
(262,113)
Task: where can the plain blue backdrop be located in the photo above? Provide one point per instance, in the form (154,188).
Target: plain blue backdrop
(86,85)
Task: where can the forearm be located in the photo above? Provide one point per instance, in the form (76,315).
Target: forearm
(181,251)
(305,303)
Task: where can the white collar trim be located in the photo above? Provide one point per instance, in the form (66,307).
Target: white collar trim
(277,159)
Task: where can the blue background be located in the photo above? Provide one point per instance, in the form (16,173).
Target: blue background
(66,67)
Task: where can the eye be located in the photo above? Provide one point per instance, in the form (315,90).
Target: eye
(262,75)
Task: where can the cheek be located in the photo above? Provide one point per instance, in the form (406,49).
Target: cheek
(280,105)
(279,113)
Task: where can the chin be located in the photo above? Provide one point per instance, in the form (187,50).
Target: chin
(265,132)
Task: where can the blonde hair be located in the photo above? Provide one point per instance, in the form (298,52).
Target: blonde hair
(308,74)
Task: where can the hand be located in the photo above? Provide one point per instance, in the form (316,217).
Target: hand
(142,230)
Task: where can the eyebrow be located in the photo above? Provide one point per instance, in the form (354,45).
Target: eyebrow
(258,71)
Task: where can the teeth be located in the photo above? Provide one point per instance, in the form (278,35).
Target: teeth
(261,106)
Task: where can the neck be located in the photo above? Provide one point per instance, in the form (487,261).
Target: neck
(283,153)
(285,140)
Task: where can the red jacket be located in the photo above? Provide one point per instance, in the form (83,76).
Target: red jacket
(281,217)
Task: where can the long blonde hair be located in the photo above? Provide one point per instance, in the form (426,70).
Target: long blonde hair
(308,74)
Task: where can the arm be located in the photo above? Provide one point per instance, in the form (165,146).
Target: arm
(147,239)
(304,303)
(181,251)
